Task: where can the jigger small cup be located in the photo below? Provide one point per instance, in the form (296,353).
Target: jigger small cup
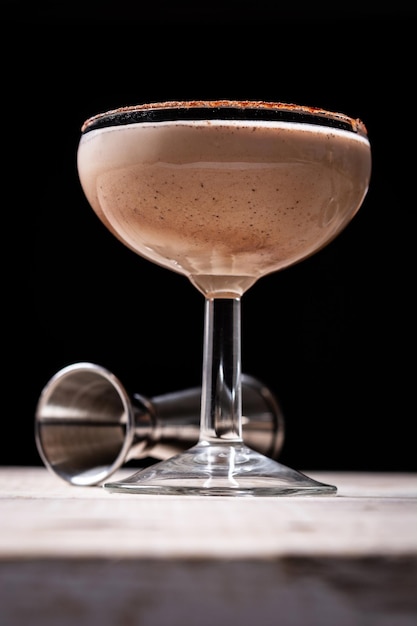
(87,426)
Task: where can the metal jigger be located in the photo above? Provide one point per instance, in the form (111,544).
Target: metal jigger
(87,426)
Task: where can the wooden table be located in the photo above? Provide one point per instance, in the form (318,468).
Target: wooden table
(75,556)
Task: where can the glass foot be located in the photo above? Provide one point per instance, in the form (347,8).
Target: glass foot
(230,469)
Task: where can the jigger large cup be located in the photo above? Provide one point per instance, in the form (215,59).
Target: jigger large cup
(87,426)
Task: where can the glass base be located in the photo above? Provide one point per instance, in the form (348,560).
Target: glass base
(226,469)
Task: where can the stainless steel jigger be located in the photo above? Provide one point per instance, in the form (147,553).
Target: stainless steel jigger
(87,426)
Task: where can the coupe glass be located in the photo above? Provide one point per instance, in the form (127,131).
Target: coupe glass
(223,192)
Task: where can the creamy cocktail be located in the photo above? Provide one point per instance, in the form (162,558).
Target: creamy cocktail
(224,202)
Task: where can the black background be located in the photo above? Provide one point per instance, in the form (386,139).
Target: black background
(331,336)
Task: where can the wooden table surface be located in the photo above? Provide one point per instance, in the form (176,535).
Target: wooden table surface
(83,556)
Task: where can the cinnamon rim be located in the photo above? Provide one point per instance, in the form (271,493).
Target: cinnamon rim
(222,109)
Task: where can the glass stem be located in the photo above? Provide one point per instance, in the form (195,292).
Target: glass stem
(221,396)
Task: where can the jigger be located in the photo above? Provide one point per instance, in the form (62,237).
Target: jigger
(87,425)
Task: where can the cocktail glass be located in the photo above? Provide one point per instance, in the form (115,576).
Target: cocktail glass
(224,193)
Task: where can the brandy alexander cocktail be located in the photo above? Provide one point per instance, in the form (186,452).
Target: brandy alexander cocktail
(224,193)
(224,201)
